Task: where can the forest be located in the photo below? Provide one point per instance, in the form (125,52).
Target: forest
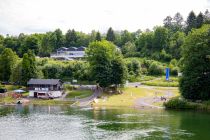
(142,53)
(162,43)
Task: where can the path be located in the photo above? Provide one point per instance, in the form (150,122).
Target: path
(134,84)
(86,101)
(148,101)
(145,102)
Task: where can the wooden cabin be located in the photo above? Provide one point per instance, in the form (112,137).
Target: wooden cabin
(45,88)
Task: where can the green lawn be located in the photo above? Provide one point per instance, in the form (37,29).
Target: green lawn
(180,103)
(130,94)
(123,100)
(79,93)
(7,100)
(49,102)
(173,82)
(145,78)
(25,94)
(11,87)
(10,100)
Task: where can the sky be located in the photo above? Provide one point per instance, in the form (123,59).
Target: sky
(38,16)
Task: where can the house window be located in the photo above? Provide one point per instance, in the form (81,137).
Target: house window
(41,94)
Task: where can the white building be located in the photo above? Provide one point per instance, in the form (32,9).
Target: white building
(45,88)
(69,53)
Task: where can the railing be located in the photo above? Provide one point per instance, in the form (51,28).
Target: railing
(68,55)
(41,89)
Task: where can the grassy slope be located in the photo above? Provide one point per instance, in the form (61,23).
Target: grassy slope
(71,94)
(10,100)
(79,93)
(129,96)
(11,87)
(179,103)
(7,100)
(49,102)
(162,82)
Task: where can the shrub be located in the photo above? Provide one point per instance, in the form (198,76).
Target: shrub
(146,63)
(195,80)
(155,56)
(156,69)
(160,83)
(132,78)
(51,71)
(174,71)
(173,62)
(173,67)
(176,103)
(164,56)
(134,66)
(68,87)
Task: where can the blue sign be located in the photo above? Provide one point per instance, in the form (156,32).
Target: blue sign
(167,74)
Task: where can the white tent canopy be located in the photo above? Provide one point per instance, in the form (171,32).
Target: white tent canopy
(19,91)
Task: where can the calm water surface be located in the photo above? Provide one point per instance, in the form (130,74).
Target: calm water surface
(65,123)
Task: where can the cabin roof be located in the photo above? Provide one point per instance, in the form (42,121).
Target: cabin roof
(72,49)
(81,48)
(43,81)
(62,49)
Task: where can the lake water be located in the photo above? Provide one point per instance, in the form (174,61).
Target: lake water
(65,123)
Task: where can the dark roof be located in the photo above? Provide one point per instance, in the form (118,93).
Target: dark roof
(43,81)
(62,49)
(72,49)
(81,48)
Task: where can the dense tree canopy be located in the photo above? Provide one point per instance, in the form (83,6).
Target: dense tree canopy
(98,36)
(71,38)
(153,51)
(176,41)
(105,59)
(129,49)
(194,83)
(7,63)
(110,36)
(150,43)
(119,71)
(29,69)
(191,22)
(1,43)
(160,38)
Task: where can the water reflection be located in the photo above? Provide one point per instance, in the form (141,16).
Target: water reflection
(63,122)
(6,110)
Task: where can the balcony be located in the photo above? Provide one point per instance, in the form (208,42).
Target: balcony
(40,89)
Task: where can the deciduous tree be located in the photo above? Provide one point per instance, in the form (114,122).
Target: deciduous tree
(194,84)
(110,36)
(29,69)
(98,36)
(101,56)
(199,20)
(8,59)
(191,21)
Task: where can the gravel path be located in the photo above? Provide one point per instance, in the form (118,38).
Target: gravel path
(147,102)
(86,101)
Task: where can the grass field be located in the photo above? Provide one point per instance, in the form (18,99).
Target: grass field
(180,103)
(173,82)
(79,93)
(127,99)
(145,78)
(11,87)
(71,94)
(10,100)
(7,100)
(49,102)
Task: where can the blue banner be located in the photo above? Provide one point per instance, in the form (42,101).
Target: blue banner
(167,74)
